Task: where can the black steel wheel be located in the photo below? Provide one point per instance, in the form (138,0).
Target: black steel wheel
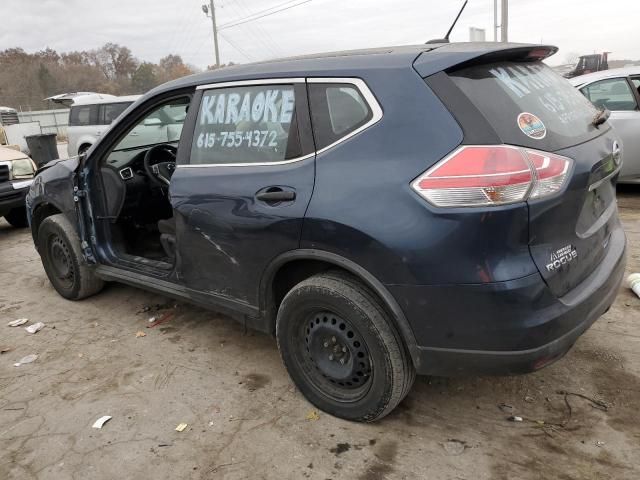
(59,248)
(61,262)
(334,356)
(341,348)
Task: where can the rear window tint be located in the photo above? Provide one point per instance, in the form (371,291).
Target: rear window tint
(81,116)
(110,111)
(336,111)
(240,125)
(529,104)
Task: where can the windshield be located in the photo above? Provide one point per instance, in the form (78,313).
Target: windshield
(529,104)
(162,125)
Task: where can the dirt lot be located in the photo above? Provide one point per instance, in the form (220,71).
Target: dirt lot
(246,420)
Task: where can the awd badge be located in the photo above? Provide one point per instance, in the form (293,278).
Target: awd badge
(562,256)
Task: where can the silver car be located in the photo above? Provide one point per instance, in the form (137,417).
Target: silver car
(618,90)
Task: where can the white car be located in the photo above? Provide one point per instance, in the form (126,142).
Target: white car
(90,116)
(618,91)
(16,176)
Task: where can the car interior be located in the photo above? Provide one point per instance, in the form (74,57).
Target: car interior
(135,183)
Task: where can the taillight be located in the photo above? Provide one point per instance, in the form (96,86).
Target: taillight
(492,175)
(551,171)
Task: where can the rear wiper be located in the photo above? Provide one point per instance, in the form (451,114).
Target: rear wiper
(601,117)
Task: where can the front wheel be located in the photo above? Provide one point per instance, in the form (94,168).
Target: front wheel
(17,217)
(341,348)
(59,248)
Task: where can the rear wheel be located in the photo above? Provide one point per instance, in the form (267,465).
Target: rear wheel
(59,247)
(17,217)
(341,349)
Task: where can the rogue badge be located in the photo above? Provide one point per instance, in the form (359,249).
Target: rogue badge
(561,257)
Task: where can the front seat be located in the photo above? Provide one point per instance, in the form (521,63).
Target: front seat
(167,228)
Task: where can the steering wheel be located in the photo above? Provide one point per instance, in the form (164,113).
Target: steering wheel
(159,171)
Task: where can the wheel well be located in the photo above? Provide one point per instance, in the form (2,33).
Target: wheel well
(303,264)
(84,146)
(41,212)
(292,273)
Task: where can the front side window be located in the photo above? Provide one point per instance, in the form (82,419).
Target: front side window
(613,94)
(80,116)
(249,124)
(337,110)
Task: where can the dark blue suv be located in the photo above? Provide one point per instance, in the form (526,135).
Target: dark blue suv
(442,209)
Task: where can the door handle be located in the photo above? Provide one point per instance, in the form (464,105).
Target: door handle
(275,195)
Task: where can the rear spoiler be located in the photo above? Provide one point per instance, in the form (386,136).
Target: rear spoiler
(454,56)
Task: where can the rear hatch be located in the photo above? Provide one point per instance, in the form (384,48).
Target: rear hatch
(527,104)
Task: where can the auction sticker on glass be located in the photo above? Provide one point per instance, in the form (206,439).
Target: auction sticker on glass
(532,126)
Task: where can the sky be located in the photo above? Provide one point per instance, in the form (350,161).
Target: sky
(155,28)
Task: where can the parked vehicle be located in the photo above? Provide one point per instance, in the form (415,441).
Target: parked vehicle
(382,212)
(16,175)
(90,116)
(589,64)
(618,91)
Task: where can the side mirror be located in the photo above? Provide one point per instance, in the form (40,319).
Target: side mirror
(152,122)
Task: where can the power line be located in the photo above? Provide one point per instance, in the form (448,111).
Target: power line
(240,50)
(274,46)
(261,11)
(258,15)
(256,33)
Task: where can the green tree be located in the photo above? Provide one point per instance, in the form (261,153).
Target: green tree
(144,78)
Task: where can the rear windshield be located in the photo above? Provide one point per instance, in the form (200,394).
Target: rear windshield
(529,104)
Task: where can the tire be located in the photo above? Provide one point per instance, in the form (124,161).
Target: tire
(341,348)
(59,247)
(17,217)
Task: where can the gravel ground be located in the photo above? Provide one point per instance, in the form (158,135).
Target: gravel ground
(246,419)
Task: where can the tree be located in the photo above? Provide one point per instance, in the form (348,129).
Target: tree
(172,67)
(144,78)
(115,61)
(46,81)
(27,78)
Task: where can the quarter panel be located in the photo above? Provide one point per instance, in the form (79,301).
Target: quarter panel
(364,209)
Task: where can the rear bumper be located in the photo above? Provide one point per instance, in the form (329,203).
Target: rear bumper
(506,327)
(11,197)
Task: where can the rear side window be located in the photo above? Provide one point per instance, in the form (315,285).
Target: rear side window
(82,115)
(614,94)
(337,110)
(110,111)
(529,104)
(244,125)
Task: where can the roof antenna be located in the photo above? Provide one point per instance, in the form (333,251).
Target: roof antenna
(446,37)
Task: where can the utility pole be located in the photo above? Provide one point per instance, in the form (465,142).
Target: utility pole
(212,8)
(504,28)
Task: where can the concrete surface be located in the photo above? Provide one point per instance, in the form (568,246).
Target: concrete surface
(245,418)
